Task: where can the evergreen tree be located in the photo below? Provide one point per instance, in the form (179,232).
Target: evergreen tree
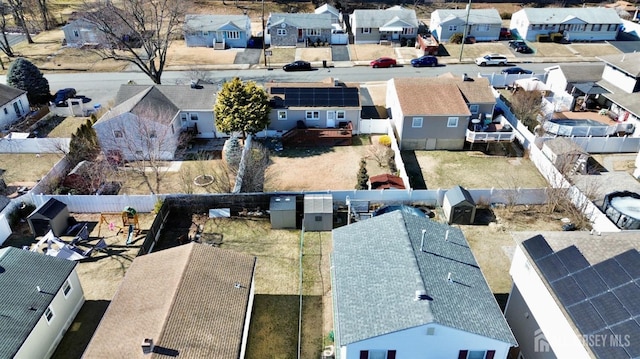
(363,176)
(84,144)
(242,107)
(26,76)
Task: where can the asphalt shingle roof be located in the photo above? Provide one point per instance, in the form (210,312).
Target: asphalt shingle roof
(582,72)
(458,194)
(629,63)
(378,266)
(214,22)
(555,15)
(8,94)
(185,298)
(21,306)
(301,20)
(476,16)
(377,18)
(450,100)
(182,96)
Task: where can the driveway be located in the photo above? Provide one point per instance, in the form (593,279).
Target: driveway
(626,46)
(248,56)
(340,53)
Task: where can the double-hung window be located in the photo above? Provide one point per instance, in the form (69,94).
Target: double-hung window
(312,115)
(282,114)
(452,122)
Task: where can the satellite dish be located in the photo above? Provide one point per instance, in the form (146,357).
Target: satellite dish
(283,25)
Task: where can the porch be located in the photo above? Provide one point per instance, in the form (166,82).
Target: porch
(479,132)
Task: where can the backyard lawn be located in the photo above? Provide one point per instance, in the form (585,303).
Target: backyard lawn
(16,171)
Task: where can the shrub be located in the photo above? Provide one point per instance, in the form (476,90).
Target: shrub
(393,169)
(385,140)
(556,37)
(157,206)
(456,38)
(363,176)
(505,15)
(543,38)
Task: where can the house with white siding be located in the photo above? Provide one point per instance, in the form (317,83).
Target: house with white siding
(392,24)
(482,24)
(14,105)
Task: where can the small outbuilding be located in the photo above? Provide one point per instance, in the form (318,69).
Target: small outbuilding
(282,211)
(567,156)
(458,206)
(318,212)
(52,215)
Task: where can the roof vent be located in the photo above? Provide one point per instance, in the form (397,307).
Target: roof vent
(446,236)
(449,279)
(421,295)
(424,231)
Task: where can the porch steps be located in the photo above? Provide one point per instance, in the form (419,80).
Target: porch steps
(580,166)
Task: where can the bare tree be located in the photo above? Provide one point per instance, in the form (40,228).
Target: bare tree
(380,153)
(139,31)
(19,8)
(257,162)
(45,15)
(526,105)
(5,46)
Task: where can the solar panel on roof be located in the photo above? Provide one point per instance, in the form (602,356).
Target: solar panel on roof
(586,317)
(572,259)
(277,91)
(552,268)
(612,273)
(610,346)
(629,332)
(629,296)
(610,308)
(590,282)
(568,291)
(537,247)
(630,262)
(320,97)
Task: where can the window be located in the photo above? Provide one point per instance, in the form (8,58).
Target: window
(281,32)
(453,28)
(596,27)
(205,33)
(313,115)
(117,134)
(48,314)
(194,117)
(318,218)
(340,115)
(282,114)
(483,27)
(476,354)
(76,33)
(6,112)
(366,30)
(233,35)
(153,134)
(378,354)
(313,32)
(66,288)
(613,27)
(417,122)
(17,107)
(452,122)
(183,117)
(474,108)
(408,31)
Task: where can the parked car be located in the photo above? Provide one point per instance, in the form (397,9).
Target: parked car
(383,62)
(297,66)
(516,71)
(505,33)
(426,60)
(491,59)
(520,46)
(62,95)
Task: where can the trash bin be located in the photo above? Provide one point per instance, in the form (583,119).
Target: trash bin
(324,63)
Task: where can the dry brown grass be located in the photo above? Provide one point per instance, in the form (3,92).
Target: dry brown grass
(592,50)
(471,51)
(550,49)
(281,55)
(368,52)
(315,54)
(181,55)
(17,171)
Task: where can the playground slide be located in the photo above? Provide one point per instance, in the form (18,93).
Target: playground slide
(130,235)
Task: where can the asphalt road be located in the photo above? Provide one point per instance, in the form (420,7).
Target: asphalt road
(102,87)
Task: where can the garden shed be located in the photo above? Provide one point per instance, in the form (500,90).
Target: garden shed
(282,211)
(53,215)
(458,206)
(318,212)
(567,156)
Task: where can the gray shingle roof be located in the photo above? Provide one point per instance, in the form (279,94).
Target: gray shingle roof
(582,72)
(476,16)
(301,20)
(182,96)
(628,101)
(214,22)
(185,298)
(629,63)
(21,306)
(8,94)
(554,15)
(369,303)
(457,195)
(377,18)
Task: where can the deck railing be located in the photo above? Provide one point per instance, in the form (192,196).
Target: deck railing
(474,137)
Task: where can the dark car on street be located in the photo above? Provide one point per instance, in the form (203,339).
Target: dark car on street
(62,95)
(516,71)
(383,62)
(297,66)
(427,60)
(520,46)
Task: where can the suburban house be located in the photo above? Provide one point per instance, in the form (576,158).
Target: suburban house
(298,29)
(422,123)
(625,9)
(327,104)
(79,32)
(146,121)
(392,24)
(41,296)
(199,307)
(570,288)
(483,24)
(336,15)
(405,286)
(14,104)
(621,79)
(576,24)
(217,31)
(566,80)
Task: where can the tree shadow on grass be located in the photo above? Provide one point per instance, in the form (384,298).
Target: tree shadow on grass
(82,328)
(413,169)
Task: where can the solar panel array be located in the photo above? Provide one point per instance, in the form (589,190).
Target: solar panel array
(603,300)
(318,96)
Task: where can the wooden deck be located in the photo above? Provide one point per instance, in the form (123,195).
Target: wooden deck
(586,115)
(317,137)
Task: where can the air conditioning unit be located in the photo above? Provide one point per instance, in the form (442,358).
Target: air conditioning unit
(328,352)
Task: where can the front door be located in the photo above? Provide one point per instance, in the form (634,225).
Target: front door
(331,119)
(300,38)
(395,35)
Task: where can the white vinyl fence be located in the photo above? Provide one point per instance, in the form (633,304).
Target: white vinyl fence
(34,145)
(373,125)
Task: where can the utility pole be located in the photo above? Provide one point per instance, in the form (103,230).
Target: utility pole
(464,33)
(264,36)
